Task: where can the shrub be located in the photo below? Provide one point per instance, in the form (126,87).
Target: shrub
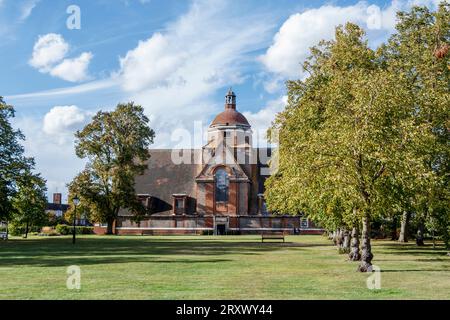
(64,229)
(15,229)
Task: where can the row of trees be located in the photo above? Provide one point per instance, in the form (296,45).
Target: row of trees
(366,135)
(22,192)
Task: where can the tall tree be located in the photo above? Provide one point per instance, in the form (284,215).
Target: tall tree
(344,134)
(419,53)
(116,146)
(13,163)
(29,202)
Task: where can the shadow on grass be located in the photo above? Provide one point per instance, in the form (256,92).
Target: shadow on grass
(56,252)
(418,270)
(411,249)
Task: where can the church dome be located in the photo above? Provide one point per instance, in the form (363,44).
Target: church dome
(230,117)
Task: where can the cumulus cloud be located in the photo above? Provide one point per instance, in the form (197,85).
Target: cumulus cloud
(48,50)
(153,55)
(291,44)
(73,70)
(49,54)
(61,122)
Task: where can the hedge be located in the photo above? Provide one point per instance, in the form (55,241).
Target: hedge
(64,229)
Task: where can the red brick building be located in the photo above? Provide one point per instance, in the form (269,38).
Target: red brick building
(217,189)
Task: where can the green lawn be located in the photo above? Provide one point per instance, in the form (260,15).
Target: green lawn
(231,267)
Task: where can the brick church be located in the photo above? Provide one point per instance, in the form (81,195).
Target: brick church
(218,189)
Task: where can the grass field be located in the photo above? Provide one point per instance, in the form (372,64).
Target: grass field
(231,267)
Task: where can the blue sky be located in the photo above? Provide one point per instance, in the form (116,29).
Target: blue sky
(176,58)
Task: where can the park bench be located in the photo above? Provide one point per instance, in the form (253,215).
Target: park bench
(3,236)
(272,236)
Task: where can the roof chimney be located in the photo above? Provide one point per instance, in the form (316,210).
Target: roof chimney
(57,198)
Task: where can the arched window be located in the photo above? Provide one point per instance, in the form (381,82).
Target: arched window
(222,185)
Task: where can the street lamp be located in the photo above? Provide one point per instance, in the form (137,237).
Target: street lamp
(76,201)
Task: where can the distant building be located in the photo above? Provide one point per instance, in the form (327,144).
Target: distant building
(57,208)
(217,189)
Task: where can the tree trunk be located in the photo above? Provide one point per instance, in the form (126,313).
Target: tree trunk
(419,237)
(354,254)
(346,241)
(366,255)
(404,227)
(338,238)
(335,236)
(394,228)
(26,231)
(110,227)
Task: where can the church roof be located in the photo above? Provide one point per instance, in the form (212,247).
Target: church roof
(230,117)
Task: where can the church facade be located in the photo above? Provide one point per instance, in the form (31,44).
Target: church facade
(218,189)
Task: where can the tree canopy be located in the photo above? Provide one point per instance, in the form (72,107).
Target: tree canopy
(13,163)
(116,146)
(354,137)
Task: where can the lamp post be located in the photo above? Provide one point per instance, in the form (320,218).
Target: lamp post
(76,201)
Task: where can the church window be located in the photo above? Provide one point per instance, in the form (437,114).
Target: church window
(222,185)
(180,203)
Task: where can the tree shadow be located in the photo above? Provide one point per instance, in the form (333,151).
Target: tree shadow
(418,270)
(56,252)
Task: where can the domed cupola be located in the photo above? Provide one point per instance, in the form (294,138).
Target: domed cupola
(230,117)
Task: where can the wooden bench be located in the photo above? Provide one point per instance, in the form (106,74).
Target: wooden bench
(272,236)
(3,236)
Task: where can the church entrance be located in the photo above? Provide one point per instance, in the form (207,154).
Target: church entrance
(221,224)
(220,229)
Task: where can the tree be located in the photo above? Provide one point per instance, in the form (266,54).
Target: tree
(345,133)
(419,53)
(13,163)
(116,146)
(30,201)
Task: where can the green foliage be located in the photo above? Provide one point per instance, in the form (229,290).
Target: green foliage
(18,230)
(64,229)
(116,147)
(366,134)
(30,201)
(13,163)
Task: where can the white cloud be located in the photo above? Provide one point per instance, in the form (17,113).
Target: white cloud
(291,45)
(61,122)
(49,54)
(73,70)
(153,55)
(48,50)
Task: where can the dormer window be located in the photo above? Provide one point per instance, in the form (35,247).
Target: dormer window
(179,204)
